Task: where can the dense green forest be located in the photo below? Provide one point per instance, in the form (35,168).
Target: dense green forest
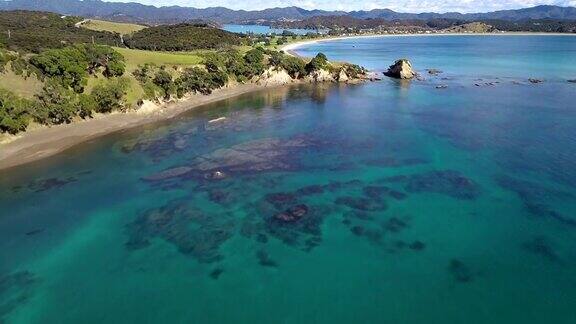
(29,31)
(182,37)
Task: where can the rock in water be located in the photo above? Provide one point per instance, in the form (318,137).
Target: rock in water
(401,69)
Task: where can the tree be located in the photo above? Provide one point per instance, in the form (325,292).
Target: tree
(255,61)
(68,64)
(14,112)
(319,62)
(56,104)
(295,66)
(71,65)
(163,79)
(108,96)
(194,80)
(104,57)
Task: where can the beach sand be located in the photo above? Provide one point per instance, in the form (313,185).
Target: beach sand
(46,141)
(291,47)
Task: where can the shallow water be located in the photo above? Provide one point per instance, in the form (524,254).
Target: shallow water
(382,202)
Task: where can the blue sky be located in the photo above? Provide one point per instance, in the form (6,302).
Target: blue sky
(398,5)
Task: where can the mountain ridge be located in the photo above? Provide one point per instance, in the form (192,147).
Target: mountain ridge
(137,12)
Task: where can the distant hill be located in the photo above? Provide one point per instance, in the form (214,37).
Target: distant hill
(351,24)
(538,12)
(30,31)
(337,22)
(135,12)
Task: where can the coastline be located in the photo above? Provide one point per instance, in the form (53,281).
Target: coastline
(291,47)
(46,141)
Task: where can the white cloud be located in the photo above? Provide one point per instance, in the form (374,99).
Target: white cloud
(398,5)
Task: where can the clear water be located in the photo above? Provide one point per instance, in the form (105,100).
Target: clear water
(383,202)
(263,30)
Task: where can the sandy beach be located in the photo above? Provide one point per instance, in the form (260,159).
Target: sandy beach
(46,141)
(291,47)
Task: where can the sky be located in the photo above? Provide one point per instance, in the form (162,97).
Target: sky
(348,5)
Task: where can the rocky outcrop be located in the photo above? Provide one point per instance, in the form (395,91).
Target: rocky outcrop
(343,76)
(320,75)
(401,69)
(275,76)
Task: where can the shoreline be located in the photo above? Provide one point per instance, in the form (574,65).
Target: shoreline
(47,141)
(291,47)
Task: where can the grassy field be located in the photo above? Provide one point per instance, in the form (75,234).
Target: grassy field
(26,88)
(121,28)
(137,57)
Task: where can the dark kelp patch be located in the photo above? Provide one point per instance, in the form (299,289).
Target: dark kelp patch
(216,273)
(459,271)
(537,198)
(392,162)
(48,184)
(395,225)
(542,246)
(265,260)
(193,232)
(362,204)
(284,217)
(381,192)
(448,182)
(15,290)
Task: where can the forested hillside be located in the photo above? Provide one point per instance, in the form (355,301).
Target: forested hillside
(28,31)
(182,37)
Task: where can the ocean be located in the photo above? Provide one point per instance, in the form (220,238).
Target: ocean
(448,199)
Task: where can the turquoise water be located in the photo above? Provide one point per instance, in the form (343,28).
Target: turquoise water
(445,200)
(264,30)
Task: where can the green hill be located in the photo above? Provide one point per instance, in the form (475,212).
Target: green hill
(182,37)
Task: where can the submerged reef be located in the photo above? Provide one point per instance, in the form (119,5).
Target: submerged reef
(268,154)
(542,247)
(192,231)
(15,290)
(446,182)
(460,271)
(537,199)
